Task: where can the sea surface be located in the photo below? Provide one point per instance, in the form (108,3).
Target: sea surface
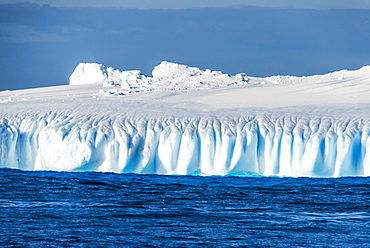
(90,209)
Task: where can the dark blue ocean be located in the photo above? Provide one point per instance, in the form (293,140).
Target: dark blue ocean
(89,209)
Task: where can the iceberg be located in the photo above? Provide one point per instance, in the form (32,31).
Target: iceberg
(187,121)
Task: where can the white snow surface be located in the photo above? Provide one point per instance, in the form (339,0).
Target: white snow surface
(184,120)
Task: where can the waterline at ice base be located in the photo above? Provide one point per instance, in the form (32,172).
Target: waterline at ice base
(187,121)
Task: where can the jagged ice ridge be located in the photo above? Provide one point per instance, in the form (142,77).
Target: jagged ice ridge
(166,76)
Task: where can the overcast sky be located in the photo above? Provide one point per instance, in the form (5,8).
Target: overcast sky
(178,4)
(41,45)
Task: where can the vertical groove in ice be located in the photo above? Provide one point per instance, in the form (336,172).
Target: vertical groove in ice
(266,145)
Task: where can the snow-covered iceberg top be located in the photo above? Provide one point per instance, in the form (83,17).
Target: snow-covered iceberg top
(172,76)
(166,76)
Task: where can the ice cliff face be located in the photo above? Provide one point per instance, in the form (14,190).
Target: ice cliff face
(92,73)
(259,145)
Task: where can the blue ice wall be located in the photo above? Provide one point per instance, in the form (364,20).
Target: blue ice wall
(260,145)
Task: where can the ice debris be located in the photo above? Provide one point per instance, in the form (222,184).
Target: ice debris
(166,76)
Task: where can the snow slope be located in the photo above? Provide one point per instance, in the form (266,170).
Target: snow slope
(183,120)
